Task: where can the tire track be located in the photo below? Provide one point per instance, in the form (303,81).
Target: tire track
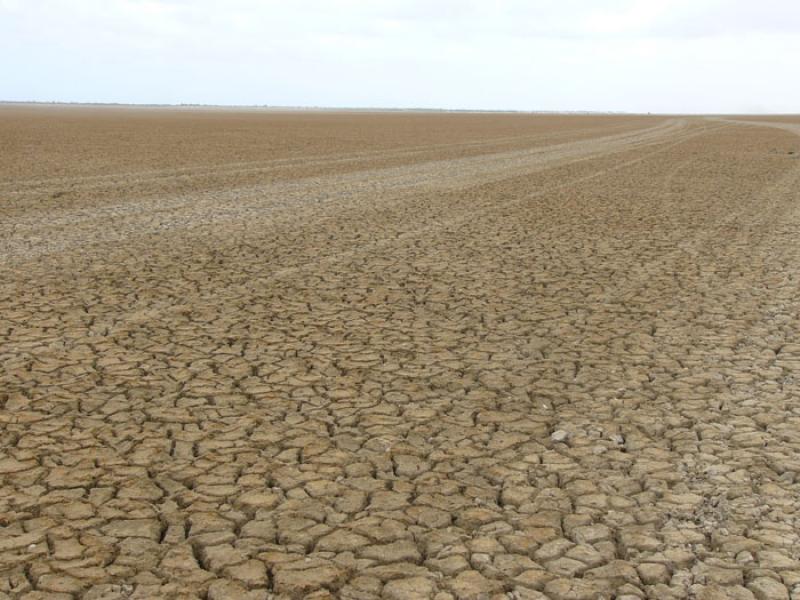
(28,236)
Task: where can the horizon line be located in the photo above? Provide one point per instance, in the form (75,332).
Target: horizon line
(323,108)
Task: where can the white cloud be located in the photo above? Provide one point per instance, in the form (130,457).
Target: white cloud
(638,16)
(636,55)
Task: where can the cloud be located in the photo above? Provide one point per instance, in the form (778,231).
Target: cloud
(653,55)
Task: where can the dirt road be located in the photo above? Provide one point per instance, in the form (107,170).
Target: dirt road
(251,355)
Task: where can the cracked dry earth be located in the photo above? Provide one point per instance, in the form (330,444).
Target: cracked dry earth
(252,355)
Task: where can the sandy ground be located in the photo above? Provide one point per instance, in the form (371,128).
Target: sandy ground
(251,355)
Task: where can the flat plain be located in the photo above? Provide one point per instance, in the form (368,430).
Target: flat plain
(251,354)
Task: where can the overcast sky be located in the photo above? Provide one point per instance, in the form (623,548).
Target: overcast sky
(623,55)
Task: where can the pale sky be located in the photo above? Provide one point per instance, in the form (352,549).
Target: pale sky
(706,56)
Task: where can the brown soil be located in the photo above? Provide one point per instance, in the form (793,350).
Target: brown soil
(250,354)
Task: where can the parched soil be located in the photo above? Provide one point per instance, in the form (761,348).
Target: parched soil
(253,354)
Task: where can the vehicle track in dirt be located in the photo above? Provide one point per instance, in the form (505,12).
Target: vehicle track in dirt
(114,222)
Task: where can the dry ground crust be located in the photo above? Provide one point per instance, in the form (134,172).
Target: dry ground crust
(252,354)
